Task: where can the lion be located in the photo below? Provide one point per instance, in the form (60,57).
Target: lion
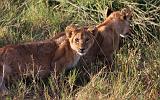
(45,57)
(111,30)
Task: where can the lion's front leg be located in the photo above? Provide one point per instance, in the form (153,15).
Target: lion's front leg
(108,61)
(4,72)
(56,69)
(3,89)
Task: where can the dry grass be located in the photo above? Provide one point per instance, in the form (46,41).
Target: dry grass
(137,72)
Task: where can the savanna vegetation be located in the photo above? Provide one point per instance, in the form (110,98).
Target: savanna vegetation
(137,63)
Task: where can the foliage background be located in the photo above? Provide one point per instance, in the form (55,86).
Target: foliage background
(137,72)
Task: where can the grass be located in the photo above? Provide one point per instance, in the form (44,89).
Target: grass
(137,63)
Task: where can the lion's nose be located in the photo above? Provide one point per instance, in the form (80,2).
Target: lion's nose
(81,50)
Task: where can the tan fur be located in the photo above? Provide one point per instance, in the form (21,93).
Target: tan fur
(107,39)
(117,24)
(45,57)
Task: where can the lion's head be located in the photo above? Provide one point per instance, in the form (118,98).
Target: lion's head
(81,39)
(121,21)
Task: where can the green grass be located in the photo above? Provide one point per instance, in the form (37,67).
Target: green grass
(137,72)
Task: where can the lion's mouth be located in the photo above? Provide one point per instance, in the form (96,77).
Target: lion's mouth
(82,52)
(124,35)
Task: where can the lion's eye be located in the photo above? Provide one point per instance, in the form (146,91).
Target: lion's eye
(76,40)
(87,39)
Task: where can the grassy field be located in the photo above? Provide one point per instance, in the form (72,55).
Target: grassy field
(137,62)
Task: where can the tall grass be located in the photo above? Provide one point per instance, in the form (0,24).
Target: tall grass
(137,63)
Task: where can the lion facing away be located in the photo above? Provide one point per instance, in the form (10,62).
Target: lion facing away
(45,57)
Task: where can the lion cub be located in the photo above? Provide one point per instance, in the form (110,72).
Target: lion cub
(108,35)
(45,57)
(111,30)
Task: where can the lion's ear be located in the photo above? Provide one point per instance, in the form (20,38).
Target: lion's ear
(93,30)
(70,29)
(109,11)
(127,13)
